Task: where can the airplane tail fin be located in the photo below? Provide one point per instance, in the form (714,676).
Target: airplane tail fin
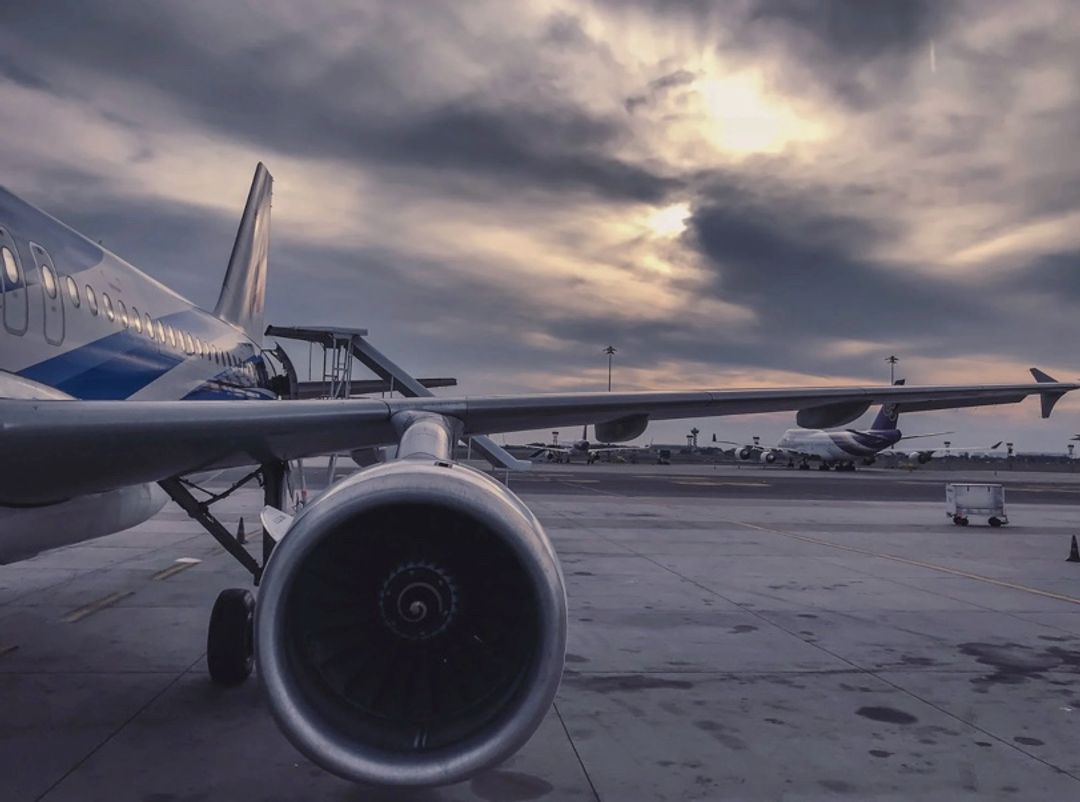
(244,289)
(889,414)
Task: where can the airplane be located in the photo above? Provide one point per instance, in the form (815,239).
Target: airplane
(839,449)
(411,621)
(557,452)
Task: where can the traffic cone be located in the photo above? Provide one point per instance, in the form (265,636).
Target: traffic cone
(1074,552)
(241,535)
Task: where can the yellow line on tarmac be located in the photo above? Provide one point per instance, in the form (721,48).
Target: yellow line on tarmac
(917,563)
(95,606)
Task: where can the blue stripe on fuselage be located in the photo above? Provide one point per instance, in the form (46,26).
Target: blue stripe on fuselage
(113,367)
(119,365)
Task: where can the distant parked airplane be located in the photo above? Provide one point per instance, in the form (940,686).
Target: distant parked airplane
(840,449)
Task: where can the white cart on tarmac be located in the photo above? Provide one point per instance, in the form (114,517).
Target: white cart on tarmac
(966,501)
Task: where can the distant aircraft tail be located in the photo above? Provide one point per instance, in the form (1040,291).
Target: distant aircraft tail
(886,419)
(244,290)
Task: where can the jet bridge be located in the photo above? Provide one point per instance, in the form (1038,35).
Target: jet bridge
(341,347)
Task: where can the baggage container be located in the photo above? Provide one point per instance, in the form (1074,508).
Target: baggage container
(965,501)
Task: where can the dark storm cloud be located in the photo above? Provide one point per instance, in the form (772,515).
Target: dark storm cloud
(354,107)
(1056,275)
(804,268)
(857,29)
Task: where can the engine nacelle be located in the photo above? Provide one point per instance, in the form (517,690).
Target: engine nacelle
(922,457)
(768,457)
(745,453)
(411,625)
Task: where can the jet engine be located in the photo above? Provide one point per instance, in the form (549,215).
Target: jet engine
(411,625)
(745,452)
(921,457)
(768,457)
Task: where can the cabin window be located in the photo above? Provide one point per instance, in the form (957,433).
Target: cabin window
(106,303)
(72,291)
(123,313)
(48,281)
(136,321)
(149,326)
(11,268)
(91,300)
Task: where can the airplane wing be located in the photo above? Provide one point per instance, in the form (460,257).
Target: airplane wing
(56,449)
(917,436)
(929,453)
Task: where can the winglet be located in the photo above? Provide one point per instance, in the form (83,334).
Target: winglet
(1049,399)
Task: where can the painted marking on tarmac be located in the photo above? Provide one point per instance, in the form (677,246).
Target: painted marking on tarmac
(95,606)
(6,650)
(181,564)
(917,563)
(718,483)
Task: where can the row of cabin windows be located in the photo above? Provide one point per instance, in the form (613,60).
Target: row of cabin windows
(155,330)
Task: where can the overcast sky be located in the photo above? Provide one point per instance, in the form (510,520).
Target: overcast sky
(741,193)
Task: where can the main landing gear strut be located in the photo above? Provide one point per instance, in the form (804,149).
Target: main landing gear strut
(230,638)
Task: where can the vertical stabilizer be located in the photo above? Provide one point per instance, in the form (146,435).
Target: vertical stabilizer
(242,294)
(887,417)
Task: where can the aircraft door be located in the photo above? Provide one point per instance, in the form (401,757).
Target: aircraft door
(12,285)
(51,293)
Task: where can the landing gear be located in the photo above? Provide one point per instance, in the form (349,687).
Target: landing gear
(824,466)
(230,639)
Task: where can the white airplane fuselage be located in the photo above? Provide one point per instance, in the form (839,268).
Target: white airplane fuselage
(76,321)
(841,446)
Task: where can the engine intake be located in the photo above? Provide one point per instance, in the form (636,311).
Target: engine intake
(411,626)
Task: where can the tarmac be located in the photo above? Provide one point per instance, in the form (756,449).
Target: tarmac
(735,633)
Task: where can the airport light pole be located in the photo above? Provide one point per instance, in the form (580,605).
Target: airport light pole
(610,351)
(892,359)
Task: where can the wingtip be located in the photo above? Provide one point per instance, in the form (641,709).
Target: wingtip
(1042,376)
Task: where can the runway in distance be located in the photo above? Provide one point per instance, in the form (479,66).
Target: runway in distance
(410,627)
(841,449)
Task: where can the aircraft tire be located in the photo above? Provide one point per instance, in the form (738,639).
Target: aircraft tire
(230,638)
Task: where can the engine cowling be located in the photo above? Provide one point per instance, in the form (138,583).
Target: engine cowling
(768,457)
(745,452)
(411,625)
